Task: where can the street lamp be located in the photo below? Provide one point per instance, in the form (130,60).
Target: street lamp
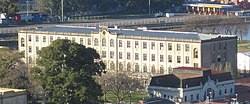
(236,97)
(62,9)
(149,8)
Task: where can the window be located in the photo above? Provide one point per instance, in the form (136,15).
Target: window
(144,45)
(89,41)
(186,47)
(66,38)
(152,45)
(195,53)
(111,42)
(120,55)
(112,65)
(81,41)
(195,64)
(136,56)
(73,39)
(144,57)
(136,44)
(30,49)
(187,59)
(136,67)
(225,46)
(22,42)
(218,59)
(145,68)
(192,98)
(161,58)
(37,48)
(178,47)
(103,42)
(225,91)
(162,70)
(58,37)
(103,54)
(153,69)
(51,38)
(96,42)
(120,43)
(128,55)
(231,90)
(161,46)
(219,92)
(37,38)
(170,58)
(128,44)
(170,46)
(197,97)
(219,45)
(44,38)
(29,37)
(111,54)
(178,59)
(128,67)
(120,66)
(185,99)
(153,57)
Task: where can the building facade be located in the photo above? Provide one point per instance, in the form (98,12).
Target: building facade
(188,84)
(243,60)
(138,52)
(13,96)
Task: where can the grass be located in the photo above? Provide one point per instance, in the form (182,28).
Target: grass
(243,46)
(134,98)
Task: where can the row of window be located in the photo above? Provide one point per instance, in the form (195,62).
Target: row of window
(137,68)
(96,43)
(145,56)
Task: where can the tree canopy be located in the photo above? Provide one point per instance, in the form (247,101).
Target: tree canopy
(68,71)
(73,7)
(8,6)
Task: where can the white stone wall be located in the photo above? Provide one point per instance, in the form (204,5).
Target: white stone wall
(243,62)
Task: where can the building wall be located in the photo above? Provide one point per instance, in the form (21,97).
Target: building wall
(243,62)
(157,51)
(196,93)
(12,97)
(218,53)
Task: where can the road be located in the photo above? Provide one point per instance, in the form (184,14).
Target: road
(108,22)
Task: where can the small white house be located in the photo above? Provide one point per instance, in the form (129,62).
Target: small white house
(189,84)
(243,61)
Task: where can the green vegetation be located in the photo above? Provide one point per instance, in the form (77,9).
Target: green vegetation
(66,73)
(134,98)
(243,46)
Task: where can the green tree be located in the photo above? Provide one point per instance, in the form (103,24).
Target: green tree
(9,7)
(68,71)
(13,72)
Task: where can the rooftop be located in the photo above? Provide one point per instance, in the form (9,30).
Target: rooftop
(133,32)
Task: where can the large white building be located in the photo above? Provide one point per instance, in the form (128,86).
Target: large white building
(189,84)
(139,52)
(243,62)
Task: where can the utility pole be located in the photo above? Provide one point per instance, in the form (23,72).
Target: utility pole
(149,7)
(27,7)
(62,10)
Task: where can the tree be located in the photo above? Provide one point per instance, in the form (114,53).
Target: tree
(9,7)
(120,85)
(13,70)
(68,71)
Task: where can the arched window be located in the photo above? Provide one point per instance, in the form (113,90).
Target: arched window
(153,69)
(145,68)
(22,42)
(137,68)
(120,66)
(112,65)
(195,53)
(128,67)
(96,42)
(112,43)
(103,42)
